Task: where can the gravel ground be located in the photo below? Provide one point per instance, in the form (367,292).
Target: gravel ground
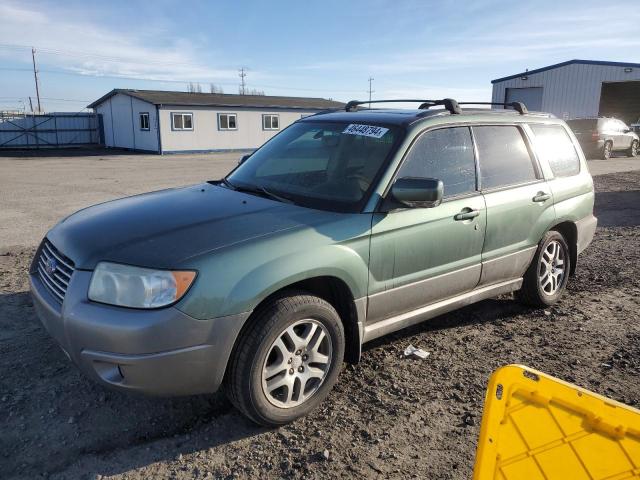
(388,416)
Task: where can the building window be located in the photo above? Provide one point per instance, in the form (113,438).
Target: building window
(144,121)
(182,121)
(270,122)
(227,121)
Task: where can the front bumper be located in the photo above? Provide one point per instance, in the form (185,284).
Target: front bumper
(159,352)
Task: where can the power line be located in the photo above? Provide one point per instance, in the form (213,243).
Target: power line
(159,80)
(107,58)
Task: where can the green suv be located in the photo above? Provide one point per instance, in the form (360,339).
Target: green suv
(346,226)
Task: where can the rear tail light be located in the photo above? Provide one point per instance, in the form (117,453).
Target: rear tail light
(595,135)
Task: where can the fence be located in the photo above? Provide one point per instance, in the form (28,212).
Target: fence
(52,130)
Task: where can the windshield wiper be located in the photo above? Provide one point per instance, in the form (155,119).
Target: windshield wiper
(260,191)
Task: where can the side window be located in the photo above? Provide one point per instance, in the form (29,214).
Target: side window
(445,154)
(503,156)
(554,146)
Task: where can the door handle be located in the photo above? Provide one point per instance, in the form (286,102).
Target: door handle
(466,214)
(541,197)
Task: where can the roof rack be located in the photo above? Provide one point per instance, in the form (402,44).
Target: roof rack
(519,107)
(449,103)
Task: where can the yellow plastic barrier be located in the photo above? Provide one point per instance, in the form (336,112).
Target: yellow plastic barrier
(538,427)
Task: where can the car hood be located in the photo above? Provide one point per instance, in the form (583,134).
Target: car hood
(162,229)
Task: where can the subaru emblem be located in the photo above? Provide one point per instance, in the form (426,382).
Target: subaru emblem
(51,266)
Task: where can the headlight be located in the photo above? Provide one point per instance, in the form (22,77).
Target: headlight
(137,287)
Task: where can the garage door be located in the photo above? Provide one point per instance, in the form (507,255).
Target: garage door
(531,97)
(621,100)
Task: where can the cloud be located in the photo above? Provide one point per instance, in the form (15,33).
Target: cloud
(81,45)
(525,36)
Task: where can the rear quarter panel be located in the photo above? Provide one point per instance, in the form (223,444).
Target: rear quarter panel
(573,196)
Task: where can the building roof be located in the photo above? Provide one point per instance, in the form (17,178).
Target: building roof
(160,97)
(568,62)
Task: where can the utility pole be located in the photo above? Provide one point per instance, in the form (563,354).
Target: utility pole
(370,91)
(35,76)
(243,86)
(31,104)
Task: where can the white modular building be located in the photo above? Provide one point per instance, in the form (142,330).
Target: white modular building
(181,122)
(576,89)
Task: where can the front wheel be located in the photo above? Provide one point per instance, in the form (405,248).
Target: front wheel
(606,151)
(546,278)
(287,360)
(633,150)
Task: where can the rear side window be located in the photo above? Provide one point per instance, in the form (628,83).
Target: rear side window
(445,154)
(504,156)
(554,145)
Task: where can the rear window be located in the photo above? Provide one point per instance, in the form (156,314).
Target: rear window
(580,126)
(504,157)
(554,145)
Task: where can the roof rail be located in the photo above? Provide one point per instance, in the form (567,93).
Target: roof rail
(519,107)
(449,103)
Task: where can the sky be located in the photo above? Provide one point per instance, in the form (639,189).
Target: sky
(411,48)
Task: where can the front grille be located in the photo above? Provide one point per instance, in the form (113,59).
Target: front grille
(54,269)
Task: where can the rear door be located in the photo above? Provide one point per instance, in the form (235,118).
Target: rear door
(519,201)
(422,255)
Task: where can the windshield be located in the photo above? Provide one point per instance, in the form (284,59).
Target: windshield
(319,164)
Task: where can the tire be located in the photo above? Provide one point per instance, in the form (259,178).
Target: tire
(543,283)
(606,150)
(265,357)
(633,150)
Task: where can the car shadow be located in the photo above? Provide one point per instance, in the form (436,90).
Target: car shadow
(56,421)
(53,417)
(614,209)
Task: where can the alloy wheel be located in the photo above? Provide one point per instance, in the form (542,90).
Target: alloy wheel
(297,363)
(634,149)
(551,271)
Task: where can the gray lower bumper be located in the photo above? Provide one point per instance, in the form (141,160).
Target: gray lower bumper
(161,352)
(586,228)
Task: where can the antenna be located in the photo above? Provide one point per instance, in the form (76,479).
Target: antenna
(35,76)
(243,85)
(370,91)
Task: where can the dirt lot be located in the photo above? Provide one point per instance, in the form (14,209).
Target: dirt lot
(389,416)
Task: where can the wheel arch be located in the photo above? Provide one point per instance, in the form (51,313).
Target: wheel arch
(336,292)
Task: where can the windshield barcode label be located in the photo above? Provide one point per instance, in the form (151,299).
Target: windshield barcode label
(365,130)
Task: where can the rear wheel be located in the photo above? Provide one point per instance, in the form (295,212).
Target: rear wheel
(546,278)
(633,151)
(606,150)
(288,359)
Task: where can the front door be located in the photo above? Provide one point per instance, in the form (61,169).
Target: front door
(422,255)
(519,202)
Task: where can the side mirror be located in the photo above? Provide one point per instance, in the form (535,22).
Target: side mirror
(244,158)
(626,130)
(418,192)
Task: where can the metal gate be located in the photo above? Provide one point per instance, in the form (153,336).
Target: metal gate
(51,130)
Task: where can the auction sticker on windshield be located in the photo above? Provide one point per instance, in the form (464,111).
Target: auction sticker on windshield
(365,130)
